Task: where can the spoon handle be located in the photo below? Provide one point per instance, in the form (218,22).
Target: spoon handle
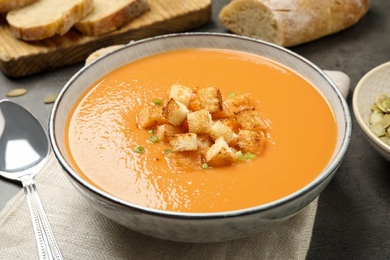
(47,246)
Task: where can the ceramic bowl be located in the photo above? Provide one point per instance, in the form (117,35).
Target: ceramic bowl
(373,83)
(198,227)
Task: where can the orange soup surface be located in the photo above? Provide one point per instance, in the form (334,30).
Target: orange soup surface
(102,131)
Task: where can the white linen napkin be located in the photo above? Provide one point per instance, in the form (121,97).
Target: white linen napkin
(83,233)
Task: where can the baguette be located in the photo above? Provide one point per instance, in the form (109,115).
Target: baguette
(290,23)
(8,5)
(109,15)
(45,18)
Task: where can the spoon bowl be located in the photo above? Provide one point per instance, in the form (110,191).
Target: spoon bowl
(24,149)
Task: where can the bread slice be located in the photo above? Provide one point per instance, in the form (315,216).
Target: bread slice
(293,22)
(8,5)
(45,18)
(109,15)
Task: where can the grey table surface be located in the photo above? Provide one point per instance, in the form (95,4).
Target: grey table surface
(353,218)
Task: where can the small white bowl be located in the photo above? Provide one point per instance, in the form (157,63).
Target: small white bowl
(375,82)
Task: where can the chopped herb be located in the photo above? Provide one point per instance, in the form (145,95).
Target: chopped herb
(154,139)
(167,152)
(151,131)
(158,102)
(205,166)
(231,94)
(239,156)
(249,156)
(139,149)
(243,157)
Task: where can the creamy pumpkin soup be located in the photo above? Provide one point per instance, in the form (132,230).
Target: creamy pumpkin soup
(114,147)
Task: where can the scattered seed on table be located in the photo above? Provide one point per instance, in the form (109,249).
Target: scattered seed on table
(50,99)
(17,92)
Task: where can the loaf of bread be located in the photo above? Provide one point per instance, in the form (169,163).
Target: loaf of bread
(45,18)
(293,22)
(7,5)
(109,15)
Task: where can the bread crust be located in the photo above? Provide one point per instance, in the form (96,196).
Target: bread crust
(289,23)
(25,24)
(99,22)
(8,5)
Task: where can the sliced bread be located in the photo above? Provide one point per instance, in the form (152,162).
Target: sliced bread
(8,5)
(45,18)
(110,15)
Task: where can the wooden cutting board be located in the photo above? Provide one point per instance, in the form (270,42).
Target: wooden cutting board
(19,58)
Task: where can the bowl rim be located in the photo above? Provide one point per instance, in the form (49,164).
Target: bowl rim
(355,106)
(323,177)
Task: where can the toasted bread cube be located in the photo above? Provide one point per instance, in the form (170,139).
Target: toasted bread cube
(175,112)
(251,141)
(220,130)
(184,142)
(209,98)
(239,103)
(204,143)
(180,93)
(181,162)
(250,119)
(220,154)
(199,122)
(150,116)
(227,121)
(165,132)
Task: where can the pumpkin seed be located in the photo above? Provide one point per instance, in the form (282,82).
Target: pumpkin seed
(50,99)
(379,118)
(376,117)
(17,92)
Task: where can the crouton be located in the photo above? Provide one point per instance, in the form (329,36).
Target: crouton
(199,122)
(165,132)
(220,130)
(204,143)
(150,116)
(249,119)
(208,98)
(227,121)
(239,103)
(251,141)
(181,162)
(175,112)
(220,154)
(180,93)
(184,142)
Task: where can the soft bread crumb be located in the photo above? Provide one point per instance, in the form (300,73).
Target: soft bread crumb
(109,15)
(251,18)
(55,17)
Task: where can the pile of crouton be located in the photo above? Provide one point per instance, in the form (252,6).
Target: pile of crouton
(202,128)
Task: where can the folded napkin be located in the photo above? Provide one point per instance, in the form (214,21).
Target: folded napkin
(83,233)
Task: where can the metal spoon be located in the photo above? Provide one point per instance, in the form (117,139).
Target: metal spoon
(24,149)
